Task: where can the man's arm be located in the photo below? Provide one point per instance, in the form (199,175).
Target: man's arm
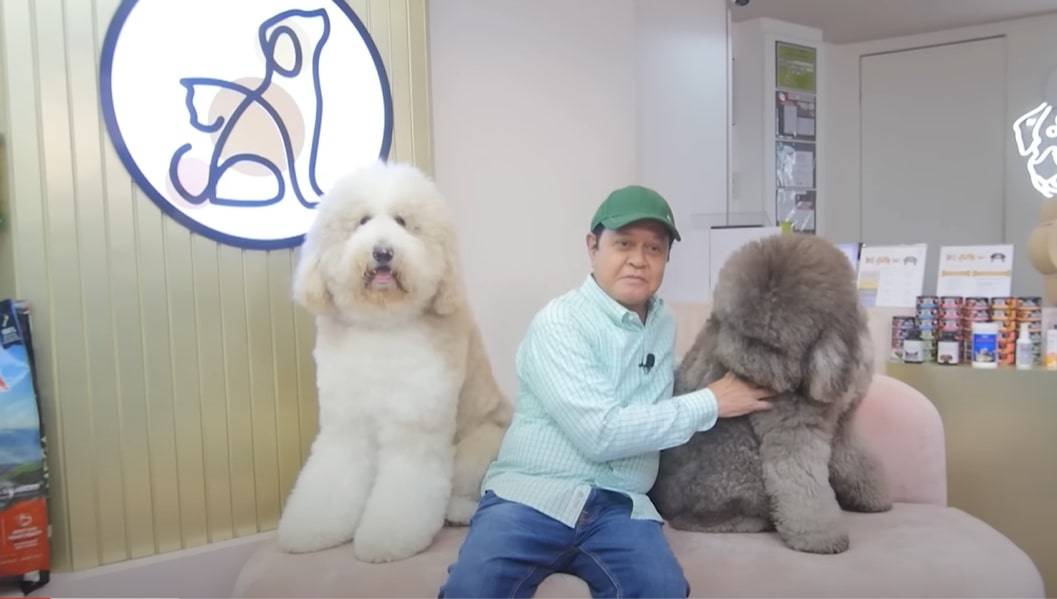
(557,363)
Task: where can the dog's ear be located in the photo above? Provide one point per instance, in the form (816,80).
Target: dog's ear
(828,367)
(309,289)
(449,294)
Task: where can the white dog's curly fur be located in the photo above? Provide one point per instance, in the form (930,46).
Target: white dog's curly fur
(410,415)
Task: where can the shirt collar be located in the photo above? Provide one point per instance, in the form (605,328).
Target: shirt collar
(613,309)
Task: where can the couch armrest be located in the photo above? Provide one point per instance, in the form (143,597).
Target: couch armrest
(904,431)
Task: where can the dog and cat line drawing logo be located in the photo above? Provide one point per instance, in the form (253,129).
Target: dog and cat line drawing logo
(235,117)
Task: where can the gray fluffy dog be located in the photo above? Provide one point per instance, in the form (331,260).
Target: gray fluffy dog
(786,316)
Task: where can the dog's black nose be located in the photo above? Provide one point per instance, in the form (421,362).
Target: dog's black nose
(382,255)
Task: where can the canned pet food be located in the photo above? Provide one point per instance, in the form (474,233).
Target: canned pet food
(928,301)
(950,325)
(976,303)
(903,323)
(1004,302)
(1003,314)
(951,301)
(1030,302)
(1029,314)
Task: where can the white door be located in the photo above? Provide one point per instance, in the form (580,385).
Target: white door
(933,138)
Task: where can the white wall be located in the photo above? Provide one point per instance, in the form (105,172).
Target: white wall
(541,108)
(1031,52)
(681,138)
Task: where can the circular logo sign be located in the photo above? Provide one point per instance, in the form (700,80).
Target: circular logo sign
(236,116)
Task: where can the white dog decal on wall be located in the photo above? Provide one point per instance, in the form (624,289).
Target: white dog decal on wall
(1037,141)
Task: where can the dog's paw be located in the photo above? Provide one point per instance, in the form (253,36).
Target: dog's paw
(460,510)
(866,503)
(377,543)
(819,541)
(304,541)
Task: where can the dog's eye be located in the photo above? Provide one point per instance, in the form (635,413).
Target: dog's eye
(400,221)
(364,220)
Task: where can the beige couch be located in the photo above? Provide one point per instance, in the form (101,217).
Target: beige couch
(921,548)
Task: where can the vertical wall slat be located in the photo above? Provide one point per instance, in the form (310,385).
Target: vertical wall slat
(419,118)
(128,346)
(187,417)
(398,67)
(64,269)
(237,375)
(307,404)
(262,389)
(284,367)
(93,241)
(212,393)
(157,361)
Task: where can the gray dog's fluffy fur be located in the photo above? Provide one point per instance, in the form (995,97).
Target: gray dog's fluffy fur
(786,316)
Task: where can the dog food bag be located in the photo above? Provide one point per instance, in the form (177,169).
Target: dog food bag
(24,547)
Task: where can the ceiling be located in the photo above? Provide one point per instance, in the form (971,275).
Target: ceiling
(847,21)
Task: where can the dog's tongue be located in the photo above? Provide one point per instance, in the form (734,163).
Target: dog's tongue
(383,276)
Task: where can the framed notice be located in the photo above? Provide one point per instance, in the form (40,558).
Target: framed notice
(975,270)
(794,115)
(797,208)
(891,275)
(796,67)
(795,164)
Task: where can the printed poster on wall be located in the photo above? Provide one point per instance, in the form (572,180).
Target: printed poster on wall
(794,115)
(975,270)
(795,164)
(796,207)
(795,67)
(891,275)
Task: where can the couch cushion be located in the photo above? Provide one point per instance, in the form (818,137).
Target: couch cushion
(914,550)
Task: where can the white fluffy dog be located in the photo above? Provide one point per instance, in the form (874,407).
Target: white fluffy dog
(409,412)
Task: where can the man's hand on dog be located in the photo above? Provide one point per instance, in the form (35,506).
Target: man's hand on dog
(736,397)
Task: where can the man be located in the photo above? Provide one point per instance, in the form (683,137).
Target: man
(567,492)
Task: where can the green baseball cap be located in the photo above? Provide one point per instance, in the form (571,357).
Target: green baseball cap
(632,203)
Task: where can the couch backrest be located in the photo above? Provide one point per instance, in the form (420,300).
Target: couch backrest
(895,421)
(903,429)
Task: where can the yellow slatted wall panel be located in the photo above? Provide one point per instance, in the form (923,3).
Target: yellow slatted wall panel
(176,376)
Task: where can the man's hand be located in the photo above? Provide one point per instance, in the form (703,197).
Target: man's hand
(736,397)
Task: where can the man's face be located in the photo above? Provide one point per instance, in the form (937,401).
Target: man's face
(628,263)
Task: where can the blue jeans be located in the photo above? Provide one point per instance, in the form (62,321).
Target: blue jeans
(511,548)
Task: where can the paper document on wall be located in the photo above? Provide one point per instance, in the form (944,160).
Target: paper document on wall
(789,124)
(805,127)
(975,270)
(892,275)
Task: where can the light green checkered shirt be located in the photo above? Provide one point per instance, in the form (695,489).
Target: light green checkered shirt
(587,414)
